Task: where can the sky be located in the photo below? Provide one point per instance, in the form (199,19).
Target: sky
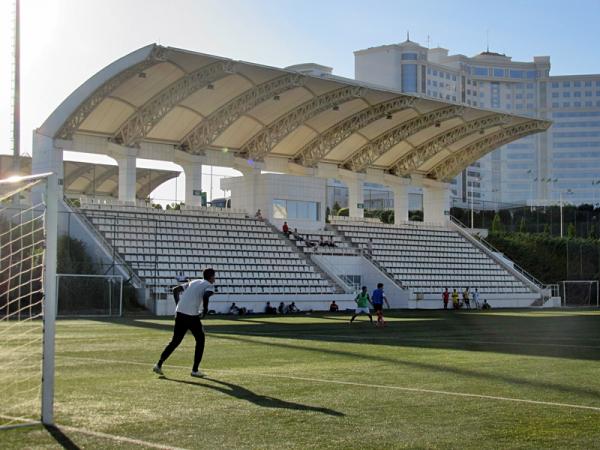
(65,42)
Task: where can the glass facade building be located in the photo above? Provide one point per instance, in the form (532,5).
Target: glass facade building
(534,169)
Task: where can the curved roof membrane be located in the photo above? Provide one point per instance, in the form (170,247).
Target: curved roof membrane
(196,103)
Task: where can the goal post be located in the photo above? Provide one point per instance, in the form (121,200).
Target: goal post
(28,252)
(580,293)
(104,295)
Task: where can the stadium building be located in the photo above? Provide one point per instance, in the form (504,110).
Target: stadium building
(536,169)
(287,131)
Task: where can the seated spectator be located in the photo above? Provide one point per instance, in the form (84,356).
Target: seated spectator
(270,309)
(286,229)
(292,308)
(331,243)
(233,309)
(297,235)
(281,308)
(181,278)
(485,305)
(322,242)
(258,215)
(333,307)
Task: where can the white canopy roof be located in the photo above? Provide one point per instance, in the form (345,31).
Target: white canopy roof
(197,103)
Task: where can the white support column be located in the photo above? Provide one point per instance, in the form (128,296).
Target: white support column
(400,203)
(193,183)
(46,157)
(436,202)
(127,175)
(356,197)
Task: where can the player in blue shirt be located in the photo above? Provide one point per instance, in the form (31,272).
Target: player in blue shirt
(377,299)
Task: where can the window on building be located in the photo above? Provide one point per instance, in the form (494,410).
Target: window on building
(566,105)
(529,85)
(517,73)
(555,104)
(529,95)
(531,74)
(566,94)
(555,85)
(480,71)
(295,209)
(409,56)
(588,93)
(453,77)
(435,73)
(429,71)
(409,78)
(577,104)
(566,84)
(588,84)
(577,94)
(589,104)
(577,83)
(498,72)
(555,95)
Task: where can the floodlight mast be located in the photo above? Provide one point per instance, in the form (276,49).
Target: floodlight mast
(17,95)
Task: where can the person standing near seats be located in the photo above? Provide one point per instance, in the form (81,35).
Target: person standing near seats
(446,298)
(377,298)
(362,304)
(188,318)
(466,299)
(455,303)
(370,248)
(476,299)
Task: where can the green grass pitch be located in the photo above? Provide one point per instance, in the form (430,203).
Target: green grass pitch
(468,380)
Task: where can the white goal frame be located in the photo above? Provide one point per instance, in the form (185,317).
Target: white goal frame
(45,185)
(590,282)
(74,275)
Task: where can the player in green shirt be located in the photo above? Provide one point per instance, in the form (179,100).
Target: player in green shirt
(362,304)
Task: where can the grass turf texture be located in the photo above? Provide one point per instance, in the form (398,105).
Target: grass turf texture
(317,382)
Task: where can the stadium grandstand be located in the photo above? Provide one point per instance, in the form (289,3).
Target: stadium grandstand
(286,131)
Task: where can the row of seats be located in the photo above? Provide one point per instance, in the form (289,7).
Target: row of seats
(429,258)
(248,256)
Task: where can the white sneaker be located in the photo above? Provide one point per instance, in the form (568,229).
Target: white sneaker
(198,374)
(157,369)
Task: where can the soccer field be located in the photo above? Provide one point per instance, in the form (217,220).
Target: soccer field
(503,379)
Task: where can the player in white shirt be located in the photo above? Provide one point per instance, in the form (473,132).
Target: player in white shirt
(188,318)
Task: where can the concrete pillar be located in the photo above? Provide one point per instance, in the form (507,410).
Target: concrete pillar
(356,197)
(436,203)
(193,183)
(400,203)
(127,175)
(47,158)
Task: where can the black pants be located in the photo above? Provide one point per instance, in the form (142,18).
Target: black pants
(183,323)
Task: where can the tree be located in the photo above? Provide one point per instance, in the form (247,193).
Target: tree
(522,226)
(593,234)
(335,209)
(546,228)
(571,231)
(497,227)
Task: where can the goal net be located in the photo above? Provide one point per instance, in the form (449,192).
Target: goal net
(580,293)
(103,295)
(28,232)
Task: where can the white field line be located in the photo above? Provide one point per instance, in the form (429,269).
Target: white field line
(118,438)
(97,434)
(352,383)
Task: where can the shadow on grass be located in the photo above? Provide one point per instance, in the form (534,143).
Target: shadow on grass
(61,438)
(240,392)
(543,335)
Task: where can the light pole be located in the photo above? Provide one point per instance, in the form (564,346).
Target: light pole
(472,214)
(569,191)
